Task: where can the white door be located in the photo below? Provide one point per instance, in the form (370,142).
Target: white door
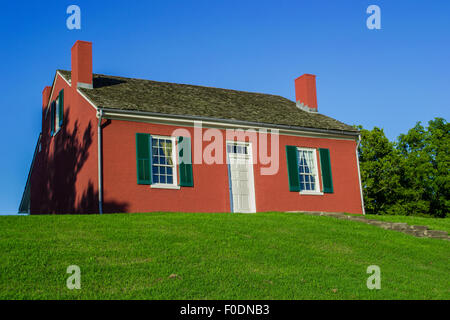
(242,188)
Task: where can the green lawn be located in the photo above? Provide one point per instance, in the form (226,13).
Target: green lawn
(216,256)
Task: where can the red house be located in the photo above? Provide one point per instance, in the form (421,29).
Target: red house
(114,144)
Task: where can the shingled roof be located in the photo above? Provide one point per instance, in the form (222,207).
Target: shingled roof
(121,93)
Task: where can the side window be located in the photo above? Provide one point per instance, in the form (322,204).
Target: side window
(52,118)
(57,127)
(60,108)
(57,113)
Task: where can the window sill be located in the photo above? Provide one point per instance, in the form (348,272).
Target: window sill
(311,193)
(164,186)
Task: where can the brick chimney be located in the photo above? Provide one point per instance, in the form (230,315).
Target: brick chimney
(45,97)
(82,65)
(305,92)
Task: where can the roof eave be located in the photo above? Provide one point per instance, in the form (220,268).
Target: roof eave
(109,111)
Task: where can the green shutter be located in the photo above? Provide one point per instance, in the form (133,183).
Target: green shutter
(292,168)
(325,166)
(61,107)
(52,118)
(185,162)
(143,163)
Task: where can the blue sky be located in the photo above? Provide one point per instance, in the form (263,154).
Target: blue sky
(390,78)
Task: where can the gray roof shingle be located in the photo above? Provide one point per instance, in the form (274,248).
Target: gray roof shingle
(181,99)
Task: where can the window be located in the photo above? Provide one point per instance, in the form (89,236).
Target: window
(163,161)
(307,170)
(57,127)
(156,163)
(302,170)
(52,118)
(57,113)
(238,148)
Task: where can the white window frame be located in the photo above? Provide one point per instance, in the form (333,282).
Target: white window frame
(317,190)
(174,184)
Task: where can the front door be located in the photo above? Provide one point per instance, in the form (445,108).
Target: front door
(242,188)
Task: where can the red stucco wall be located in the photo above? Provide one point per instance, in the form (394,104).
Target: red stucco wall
(64,176)
(210,192)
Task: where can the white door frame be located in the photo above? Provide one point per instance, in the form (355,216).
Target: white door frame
(251,179)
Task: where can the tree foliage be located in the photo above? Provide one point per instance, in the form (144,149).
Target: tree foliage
(410,176)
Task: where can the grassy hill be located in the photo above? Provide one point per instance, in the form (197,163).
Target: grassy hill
(216,256)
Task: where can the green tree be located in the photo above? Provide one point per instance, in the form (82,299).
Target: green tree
(410,176)
(426,168)
(380,173)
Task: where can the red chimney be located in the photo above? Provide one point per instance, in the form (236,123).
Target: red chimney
(45,97)
(305,92)
(82,64)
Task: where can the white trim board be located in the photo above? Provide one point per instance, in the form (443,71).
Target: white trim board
(78,90)
(221,125)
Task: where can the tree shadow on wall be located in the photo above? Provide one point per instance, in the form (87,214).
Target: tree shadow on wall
(62,189)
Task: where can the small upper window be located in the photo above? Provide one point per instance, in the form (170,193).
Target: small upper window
(307,170)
